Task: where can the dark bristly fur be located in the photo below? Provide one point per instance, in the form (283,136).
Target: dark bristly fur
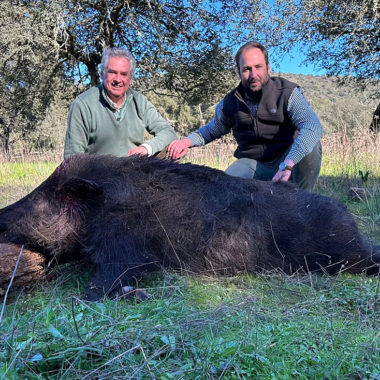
(130,215)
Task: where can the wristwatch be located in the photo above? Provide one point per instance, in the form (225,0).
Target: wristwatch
(283,166)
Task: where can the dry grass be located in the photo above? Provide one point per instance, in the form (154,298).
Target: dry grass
(346,155)
(343,154)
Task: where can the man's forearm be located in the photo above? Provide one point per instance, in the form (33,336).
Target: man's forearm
(306,121)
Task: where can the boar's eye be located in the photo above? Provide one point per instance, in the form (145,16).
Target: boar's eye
(69,205)
(39,198)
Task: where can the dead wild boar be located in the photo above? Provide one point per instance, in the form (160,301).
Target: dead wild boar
(135,214)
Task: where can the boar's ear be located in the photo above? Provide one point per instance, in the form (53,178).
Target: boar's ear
(80,188)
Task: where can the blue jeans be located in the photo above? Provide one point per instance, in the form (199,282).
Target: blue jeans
(304,174)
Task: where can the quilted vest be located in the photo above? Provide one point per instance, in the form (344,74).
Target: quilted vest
(266,136)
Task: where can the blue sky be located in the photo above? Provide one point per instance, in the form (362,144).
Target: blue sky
(292,64)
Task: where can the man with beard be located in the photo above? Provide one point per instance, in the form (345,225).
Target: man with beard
(277,132)
(112,118)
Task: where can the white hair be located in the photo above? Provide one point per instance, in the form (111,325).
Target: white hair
(119,53)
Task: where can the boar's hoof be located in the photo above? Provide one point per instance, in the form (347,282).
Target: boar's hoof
(138,294)
(93,293)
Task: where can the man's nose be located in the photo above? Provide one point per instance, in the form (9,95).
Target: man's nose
(252,74)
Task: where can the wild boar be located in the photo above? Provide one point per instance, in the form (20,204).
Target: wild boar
(135,214)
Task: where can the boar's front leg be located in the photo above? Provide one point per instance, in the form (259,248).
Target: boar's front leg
(120,260)
(102,283)
(106,281)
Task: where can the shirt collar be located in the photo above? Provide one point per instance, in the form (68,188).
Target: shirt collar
(110,102)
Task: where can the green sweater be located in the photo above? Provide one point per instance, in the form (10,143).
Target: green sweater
(95,128)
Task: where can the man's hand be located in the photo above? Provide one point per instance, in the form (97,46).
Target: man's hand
(138,150)
(178,148)
(283,175)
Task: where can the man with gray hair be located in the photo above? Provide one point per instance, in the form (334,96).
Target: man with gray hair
(111,118)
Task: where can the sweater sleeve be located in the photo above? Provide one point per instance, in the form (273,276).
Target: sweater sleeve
(157,126)
(77,134)
(308,124)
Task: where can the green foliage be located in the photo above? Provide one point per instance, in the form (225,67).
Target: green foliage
(22,92)
(177,44)
(30,74)
(340,37)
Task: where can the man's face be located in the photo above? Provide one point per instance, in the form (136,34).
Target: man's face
(117,78)
(253,70)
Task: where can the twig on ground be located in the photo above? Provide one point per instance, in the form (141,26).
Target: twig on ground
(10,284)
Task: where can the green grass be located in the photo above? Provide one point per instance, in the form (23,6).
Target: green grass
(24,172)
(269,326)
(19,178)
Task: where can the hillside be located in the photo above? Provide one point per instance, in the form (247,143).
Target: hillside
(339,109)
(337,106)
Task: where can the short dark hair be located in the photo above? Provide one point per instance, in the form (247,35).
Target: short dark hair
(250,45)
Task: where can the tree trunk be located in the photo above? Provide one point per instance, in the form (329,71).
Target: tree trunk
(375,125)
(92,68)
(5,138)
(30,267)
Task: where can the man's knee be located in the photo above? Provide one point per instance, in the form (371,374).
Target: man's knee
(306,172)
(243,167)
